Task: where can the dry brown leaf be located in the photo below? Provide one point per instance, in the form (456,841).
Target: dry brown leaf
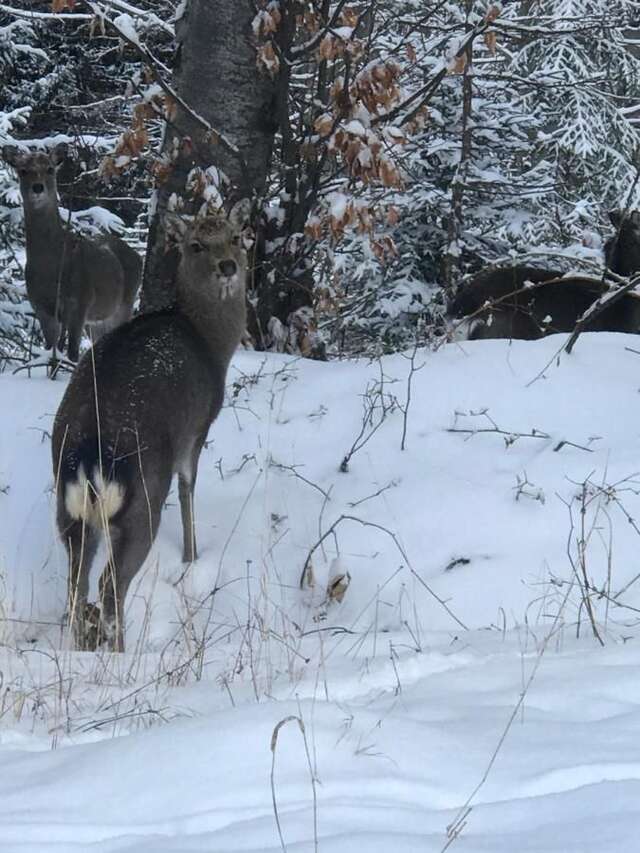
(323,124)
(274,11)
(313,229)
(143,111)
(308,577)
(161,170)
(459,63)
(170,108)
(327,49)
(186,146)
(337,586)
(107,168)
(311,21)
(212,137)
(349,17)
(490,39)
(268,59)
(354,147)
(389,175)
(355,48)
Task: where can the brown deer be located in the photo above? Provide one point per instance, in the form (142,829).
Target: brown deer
(528,303)
(137,411)
(71,280)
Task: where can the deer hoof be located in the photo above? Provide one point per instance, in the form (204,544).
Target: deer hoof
(86,627)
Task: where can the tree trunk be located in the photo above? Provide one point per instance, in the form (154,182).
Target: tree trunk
(452,258)
(217,78)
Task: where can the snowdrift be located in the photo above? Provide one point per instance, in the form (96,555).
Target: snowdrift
(427,566)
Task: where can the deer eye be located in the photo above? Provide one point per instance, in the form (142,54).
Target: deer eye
(197,247)
(23,172)
(50,170)
(236,240)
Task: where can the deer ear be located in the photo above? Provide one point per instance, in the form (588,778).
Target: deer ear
(239,214)
(14,156)
(177,228)
(59,153)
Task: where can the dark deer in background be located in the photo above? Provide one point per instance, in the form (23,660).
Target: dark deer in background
(71,280)
(622,251)
(529,303)
(137,411)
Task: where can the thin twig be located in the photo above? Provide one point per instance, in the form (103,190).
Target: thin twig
(331,530)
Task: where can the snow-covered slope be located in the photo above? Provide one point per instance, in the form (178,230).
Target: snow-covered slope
(483,559)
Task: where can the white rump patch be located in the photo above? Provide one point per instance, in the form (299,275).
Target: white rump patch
(95,502)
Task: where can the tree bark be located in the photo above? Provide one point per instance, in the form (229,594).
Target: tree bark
(452,259)
(216,76)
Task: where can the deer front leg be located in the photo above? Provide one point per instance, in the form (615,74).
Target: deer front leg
(74,316)
(186,487)
(49,326)
(185,492)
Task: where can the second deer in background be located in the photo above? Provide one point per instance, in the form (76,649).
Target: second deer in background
(72,280)
(530,302)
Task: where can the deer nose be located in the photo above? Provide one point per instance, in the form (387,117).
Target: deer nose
(38,188)
(228,268)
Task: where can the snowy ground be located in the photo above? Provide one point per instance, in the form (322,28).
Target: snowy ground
(476,561)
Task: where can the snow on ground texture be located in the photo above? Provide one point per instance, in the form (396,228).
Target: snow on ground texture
(466,554)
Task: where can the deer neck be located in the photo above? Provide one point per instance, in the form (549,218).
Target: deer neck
(43,230)
(220,322)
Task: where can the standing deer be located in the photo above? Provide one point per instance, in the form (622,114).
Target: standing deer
(71,279)
(137,411)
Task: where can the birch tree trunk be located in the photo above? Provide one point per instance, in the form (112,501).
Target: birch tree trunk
(217,79)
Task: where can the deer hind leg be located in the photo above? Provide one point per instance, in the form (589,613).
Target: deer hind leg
(81,541)
(186,487)
(129,540)
(49,326)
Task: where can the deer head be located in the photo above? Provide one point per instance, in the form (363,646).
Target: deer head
(214,251)
(36,172)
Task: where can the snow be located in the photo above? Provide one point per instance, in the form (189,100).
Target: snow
(338,203)
(344,33)
(125,25)
(161,750)
(93,219)
(355,128)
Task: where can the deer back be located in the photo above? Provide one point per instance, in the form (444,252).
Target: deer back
(553,303)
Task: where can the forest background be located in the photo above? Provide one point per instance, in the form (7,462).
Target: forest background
(399,144)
